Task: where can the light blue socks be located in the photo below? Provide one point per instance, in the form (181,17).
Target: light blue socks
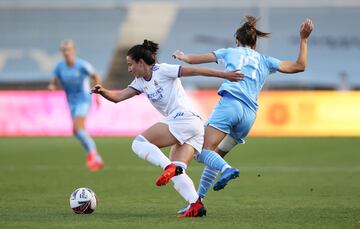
(212,160)
(86,141)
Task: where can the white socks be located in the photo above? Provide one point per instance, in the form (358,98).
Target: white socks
(149,152)
(184,185)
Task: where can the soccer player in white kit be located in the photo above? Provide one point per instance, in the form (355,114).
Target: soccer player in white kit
(182,128)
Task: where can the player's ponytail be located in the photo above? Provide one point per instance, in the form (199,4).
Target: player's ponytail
(146,51)
(151,46)
(247,34)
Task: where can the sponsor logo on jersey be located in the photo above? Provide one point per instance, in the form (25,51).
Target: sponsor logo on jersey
(157,95)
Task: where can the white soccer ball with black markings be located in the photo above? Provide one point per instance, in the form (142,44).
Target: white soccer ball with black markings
(83,201)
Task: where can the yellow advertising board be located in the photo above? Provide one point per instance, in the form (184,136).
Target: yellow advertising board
(308,113)
(298,113)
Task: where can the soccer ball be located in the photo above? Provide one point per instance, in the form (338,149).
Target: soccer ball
(83,201)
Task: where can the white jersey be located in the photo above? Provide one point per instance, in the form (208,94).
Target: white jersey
(164,89)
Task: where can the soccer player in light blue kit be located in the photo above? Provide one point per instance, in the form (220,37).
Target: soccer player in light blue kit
(235,113)
(74,75)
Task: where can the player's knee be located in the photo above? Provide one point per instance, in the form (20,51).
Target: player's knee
(76,131)
(226,145)
(137,142)
(210,146)
(77,127)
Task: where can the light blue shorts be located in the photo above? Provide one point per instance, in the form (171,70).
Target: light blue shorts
(233,117)
(80,109)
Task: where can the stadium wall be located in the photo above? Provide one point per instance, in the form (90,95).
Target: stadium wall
(281,113)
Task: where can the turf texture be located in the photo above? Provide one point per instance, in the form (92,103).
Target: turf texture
(284,183)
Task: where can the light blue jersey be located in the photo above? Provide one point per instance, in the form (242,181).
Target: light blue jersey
(235,113)
(76,83)
(253,65)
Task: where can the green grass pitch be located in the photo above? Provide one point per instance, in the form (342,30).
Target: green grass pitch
(284,183)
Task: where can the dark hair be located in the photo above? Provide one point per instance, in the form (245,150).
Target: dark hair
(146,51)
(247,34)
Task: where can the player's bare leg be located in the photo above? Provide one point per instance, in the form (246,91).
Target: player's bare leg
(212,138)
(159,135)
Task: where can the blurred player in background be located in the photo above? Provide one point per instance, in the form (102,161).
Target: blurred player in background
(182,128)
(234,115)
(74,75)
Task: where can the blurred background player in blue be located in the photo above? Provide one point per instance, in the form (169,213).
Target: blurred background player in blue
(74,75)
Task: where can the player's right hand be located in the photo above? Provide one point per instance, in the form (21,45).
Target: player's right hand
(97,89)
(178,55)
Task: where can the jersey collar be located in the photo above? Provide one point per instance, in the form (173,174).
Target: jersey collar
(154,68)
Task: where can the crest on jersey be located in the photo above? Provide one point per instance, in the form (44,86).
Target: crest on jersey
(145,88)
(155,68)
(156,83)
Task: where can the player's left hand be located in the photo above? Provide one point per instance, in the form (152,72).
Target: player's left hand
(306,28)
(234,75)
(97,89)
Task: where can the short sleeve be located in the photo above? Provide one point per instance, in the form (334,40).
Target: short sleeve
(220,55)
(135,84)
(169,70)
(88,68)
(272,63)
(56,71)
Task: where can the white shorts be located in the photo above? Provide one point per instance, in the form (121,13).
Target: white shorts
(187,128)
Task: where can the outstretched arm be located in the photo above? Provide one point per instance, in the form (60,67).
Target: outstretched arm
(191,71)
(299,66)
(96,78)
(194,59)
(114,96)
